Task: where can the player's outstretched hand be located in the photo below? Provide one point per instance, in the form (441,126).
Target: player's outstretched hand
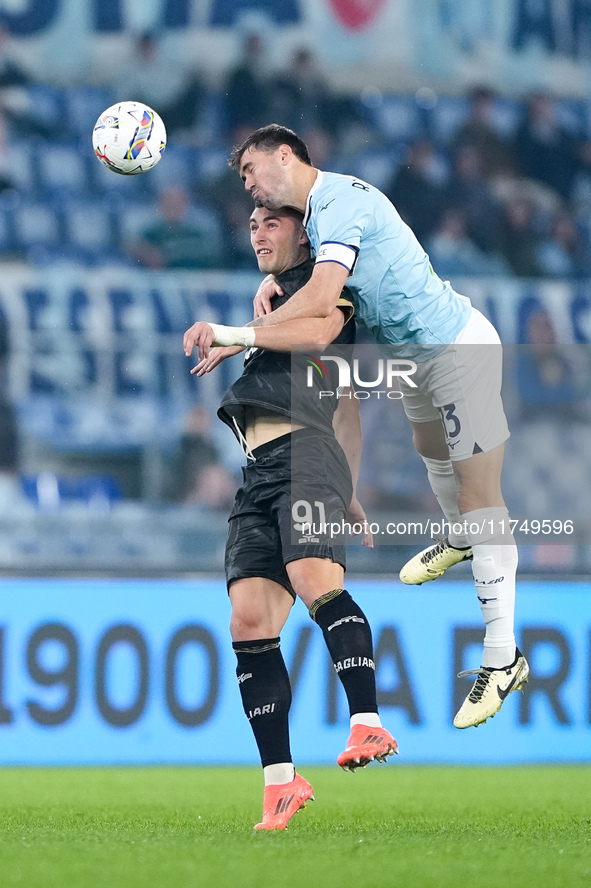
(262,300)
(216,356)
(356,515)
(199,336)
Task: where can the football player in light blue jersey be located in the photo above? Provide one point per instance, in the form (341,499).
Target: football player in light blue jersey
(353,224)
(455,407)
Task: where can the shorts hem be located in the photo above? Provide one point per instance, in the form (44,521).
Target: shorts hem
(246,575)
(457,457)
(330,556)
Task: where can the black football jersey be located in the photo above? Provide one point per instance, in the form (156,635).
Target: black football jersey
(266,381)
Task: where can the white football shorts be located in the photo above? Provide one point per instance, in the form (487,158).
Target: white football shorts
(462,387)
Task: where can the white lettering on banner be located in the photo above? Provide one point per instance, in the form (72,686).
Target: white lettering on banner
(493,37)
(34,17)
(83,337)
(106,342)
(122,673)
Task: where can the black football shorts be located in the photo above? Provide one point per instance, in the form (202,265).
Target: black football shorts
(298,484)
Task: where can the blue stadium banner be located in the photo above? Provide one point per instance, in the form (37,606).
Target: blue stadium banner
(455,44)
(122,671)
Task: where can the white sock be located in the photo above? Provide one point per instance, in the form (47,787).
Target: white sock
(284,772)
(445,487)
(494,566)
(371,719)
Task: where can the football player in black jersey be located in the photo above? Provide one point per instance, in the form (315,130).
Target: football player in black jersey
(292,459)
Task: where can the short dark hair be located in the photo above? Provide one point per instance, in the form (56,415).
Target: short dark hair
(269,138)
(294,214)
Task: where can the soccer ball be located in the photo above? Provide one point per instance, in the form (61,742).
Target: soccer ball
(129,138)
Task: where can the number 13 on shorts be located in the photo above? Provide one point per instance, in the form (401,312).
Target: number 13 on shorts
(451,423)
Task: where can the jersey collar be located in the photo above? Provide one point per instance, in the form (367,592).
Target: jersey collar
(317,184)
(294,273)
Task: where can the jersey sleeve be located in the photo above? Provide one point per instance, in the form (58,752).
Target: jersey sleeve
(342,221)
(346,305)
(348,333)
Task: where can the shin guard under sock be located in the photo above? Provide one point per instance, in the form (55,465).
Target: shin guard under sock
(445,487)
(494,567)
(348,638)
(266,696)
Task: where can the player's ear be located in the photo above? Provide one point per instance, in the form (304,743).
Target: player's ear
(285,153)
(303,238)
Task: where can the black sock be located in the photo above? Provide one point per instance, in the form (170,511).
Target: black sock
(266,696)
(348,638)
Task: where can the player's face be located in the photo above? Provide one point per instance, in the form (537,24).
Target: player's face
(265,176)
(279,241)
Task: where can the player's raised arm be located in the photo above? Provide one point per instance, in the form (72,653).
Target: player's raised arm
(280,244)
(315,320)
(300,333)
(285,337)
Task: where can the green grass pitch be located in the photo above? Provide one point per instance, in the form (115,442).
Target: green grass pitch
(391,825)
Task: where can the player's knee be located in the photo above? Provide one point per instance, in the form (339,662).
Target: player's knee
(428,439)
(313,577)
(247,624)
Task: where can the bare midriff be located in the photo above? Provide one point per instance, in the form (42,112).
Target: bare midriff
(262,426)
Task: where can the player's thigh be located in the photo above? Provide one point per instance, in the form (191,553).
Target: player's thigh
(470,404)
(312,578)
(253,548)
(465,381)
(429,439)
(480,480)
(310,514)
(260,608)
(319,490)
(462,388)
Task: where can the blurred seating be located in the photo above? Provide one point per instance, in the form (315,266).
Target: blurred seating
(543,470)
(48,162)
(446,117)
(62,169)
(377,165)
(89,227)
(37,229)
(393,118)
(82,106)
(48,491)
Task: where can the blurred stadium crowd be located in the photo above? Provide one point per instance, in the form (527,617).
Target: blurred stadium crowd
(490,185)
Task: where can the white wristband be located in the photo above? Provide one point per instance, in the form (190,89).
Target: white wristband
(233,335)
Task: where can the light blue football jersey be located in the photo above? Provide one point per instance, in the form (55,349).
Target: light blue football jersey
(398,297)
